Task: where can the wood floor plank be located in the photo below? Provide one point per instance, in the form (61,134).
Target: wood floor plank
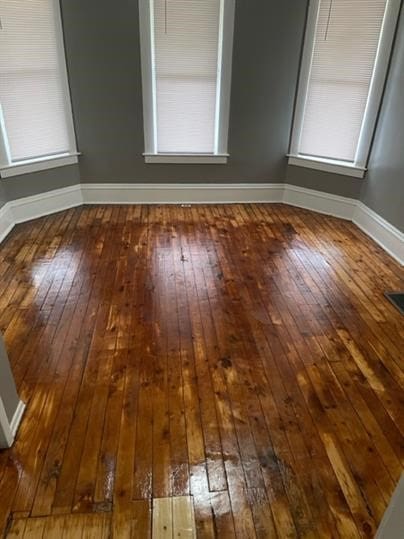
(299,504)
(183,517)
(35,528)
(17,528)
(132,520)
(78,526)
(238,361)
(162,519)
(55,526)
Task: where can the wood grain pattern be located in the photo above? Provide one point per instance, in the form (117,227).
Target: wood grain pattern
(234,362)
(90,526)
(183,517)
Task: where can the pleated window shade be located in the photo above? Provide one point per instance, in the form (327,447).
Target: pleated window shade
(32,94)
(345,47)
(186,52)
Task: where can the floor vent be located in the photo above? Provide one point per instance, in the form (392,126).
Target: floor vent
(397,299)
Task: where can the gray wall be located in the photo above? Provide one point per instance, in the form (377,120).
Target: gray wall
(337,184)
(392,524)
(39,182)
(383,190)
(103,53)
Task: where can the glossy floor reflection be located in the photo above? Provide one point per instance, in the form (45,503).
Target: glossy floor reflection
(243,355)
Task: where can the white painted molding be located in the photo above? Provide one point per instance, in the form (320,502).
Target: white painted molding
(32,207)
(380,230)
(17,418)
(328,165)
(36,165)
(320,202)
(162,193)
(25,209)
(6,221)
(9,430)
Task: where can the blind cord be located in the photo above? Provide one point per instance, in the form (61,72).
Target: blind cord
(328,20)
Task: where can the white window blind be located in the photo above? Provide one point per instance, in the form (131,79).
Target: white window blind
(186,70)
(346,41)
(32,86)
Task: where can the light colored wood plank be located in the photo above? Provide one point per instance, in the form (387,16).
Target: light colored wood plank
(162,518)
(183,517)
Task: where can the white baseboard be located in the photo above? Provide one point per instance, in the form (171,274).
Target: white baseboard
(25,209)
(8,430)
(17,417)
(320,202)
(162,193)
(380,230)
(33,207)
(6,221)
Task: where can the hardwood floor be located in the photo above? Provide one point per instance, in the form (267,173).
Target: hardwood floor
(243,355)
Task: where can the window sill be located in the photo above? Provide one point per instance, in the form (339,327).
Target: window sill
(190,159)
(35,165)
(327,165)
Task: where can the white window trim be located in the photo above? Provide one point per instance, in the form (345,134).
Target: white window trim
(151,155)
(10,168)
(41,163)
(327,165)
(357,168)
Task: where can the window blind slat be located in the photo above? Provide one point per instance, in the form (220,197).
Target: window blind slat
(31,86)
(346,41)
(186,35)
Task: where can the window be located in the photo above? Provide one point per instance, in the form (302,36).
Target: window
(186,67)
(345,59)
(36,127)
